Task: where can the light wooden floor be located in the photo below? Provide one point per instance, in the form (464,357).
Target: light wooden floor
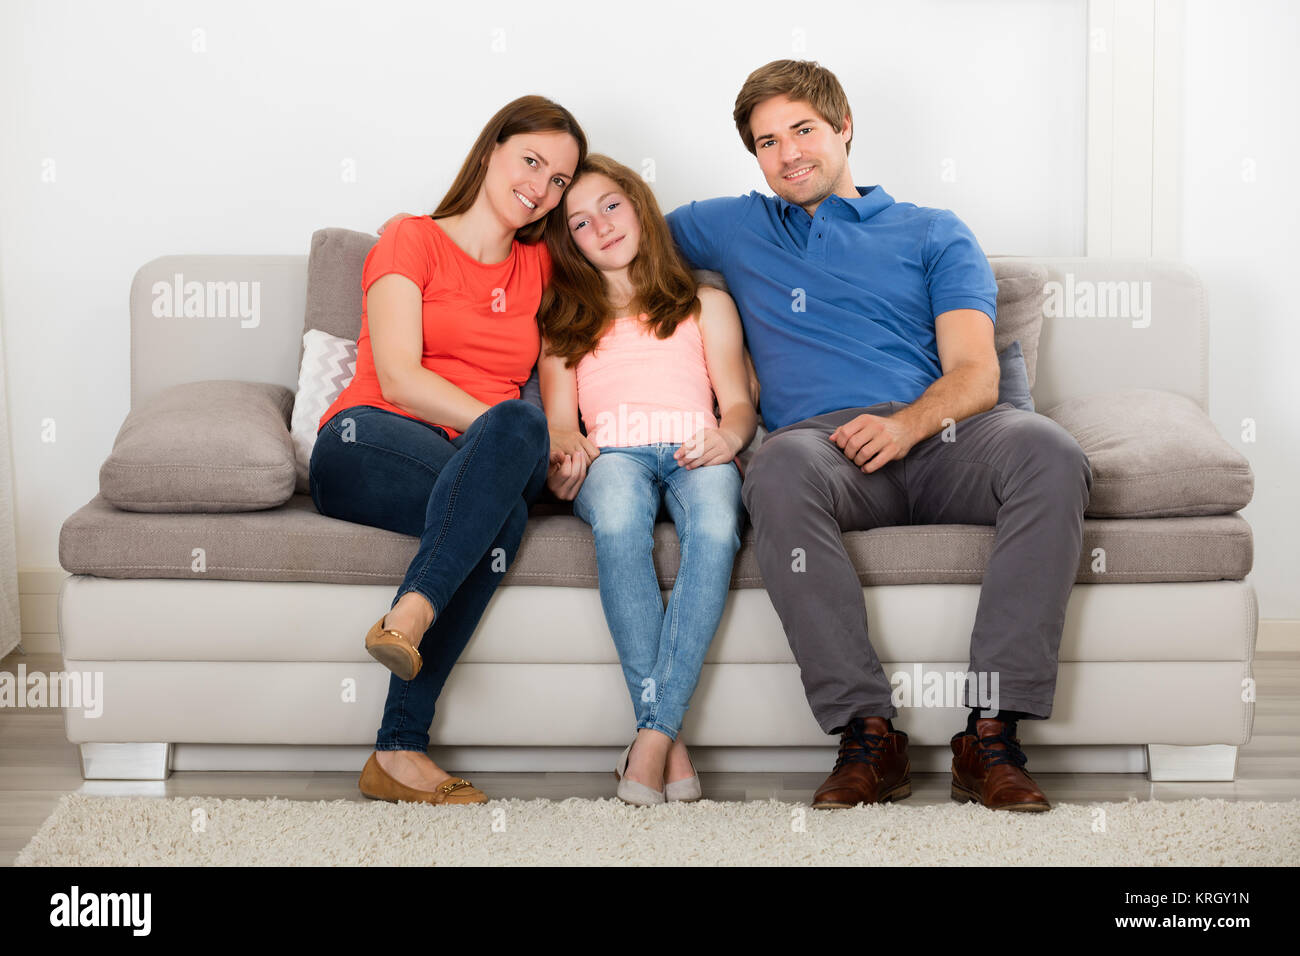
(38,766)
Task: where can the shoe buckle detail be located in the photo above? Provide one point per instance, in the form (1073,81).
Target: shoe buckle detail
(404,639)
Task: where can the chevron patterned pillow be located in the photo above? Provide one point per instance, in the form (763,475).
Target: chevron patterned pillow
(328,364)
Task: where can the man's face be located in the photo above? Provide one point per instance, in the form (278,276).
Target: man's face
(802,157)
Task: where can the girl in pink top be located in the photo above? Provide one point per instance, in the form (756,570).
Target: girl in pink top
(637,351)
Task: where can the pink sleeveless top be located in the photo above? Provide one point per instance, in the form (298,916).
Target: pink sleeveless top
(638,389)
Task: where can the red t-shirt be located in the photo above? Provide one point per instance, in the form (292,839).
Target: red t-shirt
(480,320)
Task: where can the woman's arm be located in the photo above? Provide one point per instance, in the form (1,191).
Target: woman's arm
(724,353)
(571,451)
(394,313)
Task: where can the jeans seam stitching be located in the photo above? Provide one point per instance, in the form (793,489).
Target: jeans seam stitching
(435,548)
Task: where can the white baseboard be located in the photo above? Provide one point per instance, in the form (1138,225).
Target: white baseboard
(1278,637)
(38,608)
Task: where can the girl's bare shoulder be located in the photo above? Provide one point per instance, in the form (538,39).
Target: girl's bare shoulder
(715,304)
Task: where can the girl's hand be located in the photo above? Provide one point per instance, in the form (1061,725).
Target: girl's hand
(708,446)
(570,441)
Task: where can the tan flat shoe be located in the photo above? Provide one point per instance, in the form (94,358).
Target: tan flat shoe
(394,650)
(377,784)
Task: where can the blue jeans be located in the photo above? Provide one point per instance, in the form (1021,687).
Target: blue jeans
(466,499)
(661,650)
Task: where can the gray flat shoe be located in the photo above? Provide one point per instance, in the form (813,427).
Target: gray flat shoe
(629,791)
(686,791)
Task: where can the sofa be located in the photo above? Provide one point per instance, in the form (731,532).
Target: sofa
(227,615)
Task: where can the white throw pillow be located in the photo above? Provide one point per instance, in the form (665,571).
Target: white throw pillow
(328,364)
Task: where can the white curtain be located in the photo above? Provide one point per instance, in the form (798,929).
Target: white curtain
(10,627)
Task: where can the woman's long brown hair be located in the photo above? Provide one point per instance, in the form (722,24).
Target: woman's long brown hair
(528,114)
(575,310)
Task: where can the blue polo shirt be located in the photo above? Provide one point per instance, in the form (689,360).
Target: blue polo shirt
(839,311)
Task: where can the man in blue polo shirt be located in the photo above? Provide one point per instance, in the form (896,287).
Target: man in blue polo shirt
(870,323)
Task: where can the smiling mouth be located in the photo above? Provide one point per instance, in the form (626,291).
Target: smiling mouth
(611,244)
(798,174)
(527,205)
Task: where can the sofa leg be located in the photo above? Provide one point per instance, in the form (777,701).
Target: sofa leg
(125,761)
(1209,762)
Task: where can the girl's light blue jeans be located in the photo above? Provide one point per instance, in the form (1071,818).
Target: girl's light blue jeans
(661,650)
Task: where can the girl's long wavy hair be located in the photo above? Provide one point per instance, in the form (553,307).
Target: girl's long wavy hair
(575,310)
(527,114)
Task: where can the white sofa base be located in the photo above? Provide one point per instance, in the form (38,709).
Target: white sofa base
(273,676)
(1162,762)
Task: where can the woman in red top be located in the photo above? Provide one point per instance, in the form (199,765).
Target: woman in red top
(431,438)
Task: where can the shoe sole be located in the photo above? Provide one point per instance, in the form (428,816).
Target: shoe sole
(395,659)
(901,792)
(962,795)
(444,803)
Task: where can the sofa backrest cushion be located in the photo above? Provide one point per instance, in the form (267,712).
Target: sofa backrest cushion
(1020,309)
(334,268)
(1094,336)
(1013,383)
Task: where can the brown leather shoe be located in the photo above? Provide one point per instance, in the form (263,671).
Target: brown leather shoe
(872,767)
(377,784)
(393,649)
(988,768)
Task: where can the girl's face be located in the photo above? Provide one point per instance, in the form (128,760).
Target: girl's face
(527,175)
(602,222)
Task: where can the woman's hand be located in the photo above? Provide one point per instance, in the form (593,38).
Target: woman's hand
(398,218)
(566,474)
(708,446)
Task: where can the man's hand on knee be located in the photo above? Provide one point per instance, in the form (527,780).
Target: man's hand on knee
(872,441)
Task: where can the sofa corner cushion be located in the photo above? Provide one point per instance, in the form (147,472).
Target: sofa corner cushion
(334,268)
(328,366)
(1021,293)
(1013,380)
(1154,454)
(211,446)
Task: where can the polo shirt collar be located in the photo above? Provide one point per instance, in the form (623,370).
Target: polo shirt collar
(871,200)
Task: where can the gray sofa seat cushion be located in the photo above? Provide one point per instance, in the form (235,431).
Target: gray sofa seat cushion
(213,446)
(296,543)
(1154,454)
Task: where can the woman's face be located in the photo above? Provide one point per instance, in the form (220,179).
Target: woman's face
(602,222)
(527,175)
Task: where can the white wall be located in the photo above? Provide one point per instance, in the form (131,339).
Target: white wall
(157,148)
(1241,216)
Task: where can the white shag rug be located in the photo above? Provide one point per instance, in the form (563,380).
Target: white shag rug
(201,831)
